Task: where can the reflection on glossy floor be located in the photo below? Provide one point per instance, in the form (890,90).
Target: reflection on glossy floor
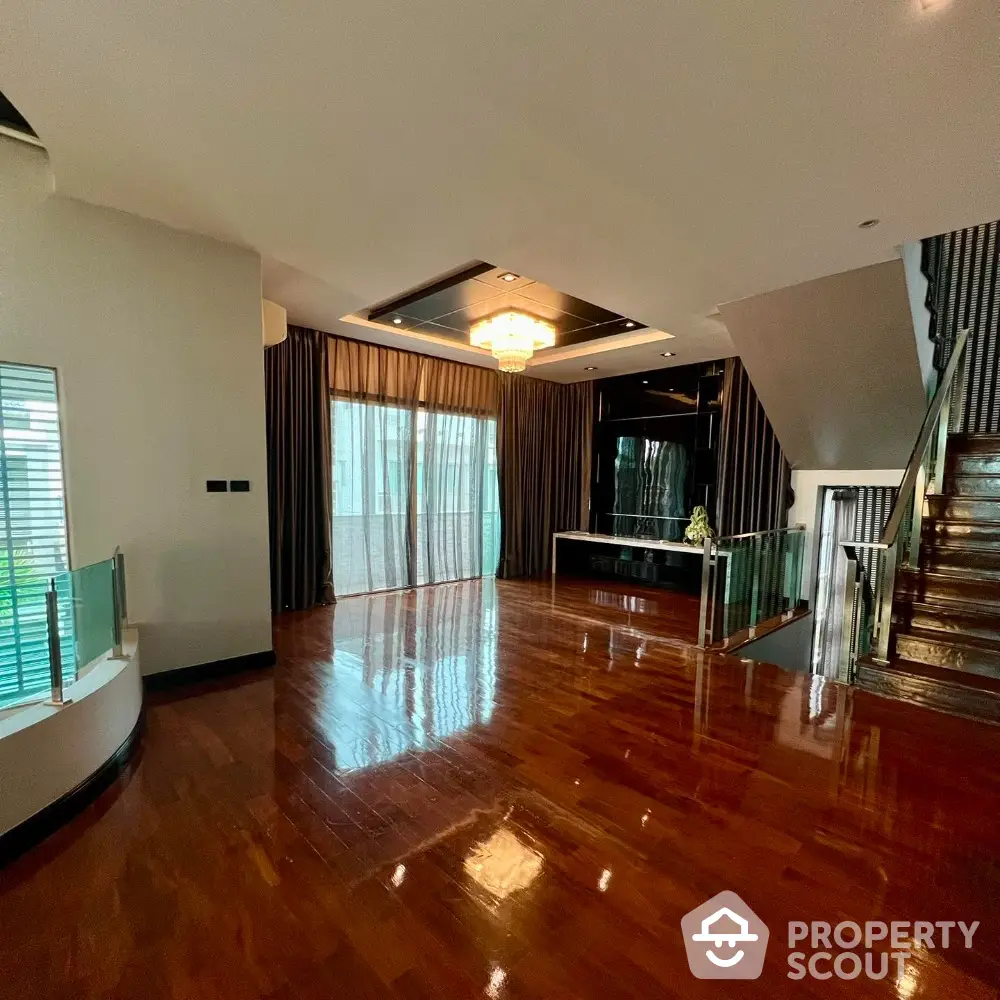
(506,790)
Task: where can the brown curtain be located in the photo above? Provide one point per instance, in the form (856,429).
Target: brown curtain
(543,453)
(298,470)
(754,480)
(414,468)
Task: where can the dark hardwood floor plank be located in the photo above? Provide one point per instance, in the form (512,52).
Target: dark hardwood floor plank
(505,789)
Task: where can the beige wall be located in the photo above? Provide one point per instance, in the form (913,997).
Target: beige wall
(835,364)
(156,336)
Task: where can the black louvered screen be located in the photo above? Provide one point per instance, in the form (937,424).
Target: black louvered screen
(962,270)
(753,478)
(874,506)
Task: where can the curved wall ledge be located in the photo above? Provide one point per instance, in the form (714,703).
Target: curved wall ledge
(52,759)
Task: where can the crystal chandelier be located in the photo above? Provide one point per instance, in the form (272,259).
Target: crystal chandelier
(512,337)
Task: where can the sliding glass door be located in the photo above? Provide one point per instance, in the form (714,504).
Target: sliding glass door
(415,496)
(457,503)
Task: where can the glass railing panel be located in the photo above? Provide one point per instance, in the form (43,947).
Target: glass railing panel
(24,643)
(755,577)
(735,564)
(93,611)
(85,617)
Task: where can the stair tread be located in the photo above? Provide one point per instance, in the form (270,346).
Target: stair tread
(979,522)
(961,640)
(940,574)
(963,548)
(952,495)
(951,574)
(945,606)
(944,675)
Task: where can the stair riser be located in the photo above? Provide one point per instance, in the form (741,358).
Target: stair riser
(953,626)
(970,704)
(969,562)
(961,533)
(985,593)
(979,444)
(964,508)
(975,486)
(982,662)
(975,465)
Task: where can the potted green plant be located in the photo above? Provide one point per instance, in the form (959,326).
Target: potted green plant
(699,529)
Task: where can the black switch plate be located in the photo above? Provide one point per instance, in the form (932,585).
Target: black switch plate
(215,485)
(239,485)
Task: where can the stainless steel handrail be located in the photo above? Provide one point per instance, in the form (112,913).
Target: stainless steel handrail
(931,421)
(758,534)
(913,489)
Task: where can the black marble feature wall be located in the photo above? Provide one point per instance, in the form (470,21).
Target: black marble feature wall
(656,437)
(655,454)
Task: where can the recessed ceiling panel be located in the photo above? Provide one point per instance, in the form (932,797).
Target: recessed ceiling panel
(450,306)
(589,313)
(458,297)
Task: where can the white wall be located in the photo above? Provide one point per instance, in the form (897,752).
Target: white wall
(46,752)
(156,336)
(916,289)
(808,485)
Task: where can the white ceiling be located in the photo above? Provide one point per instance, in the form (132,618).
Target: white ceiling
(655,158)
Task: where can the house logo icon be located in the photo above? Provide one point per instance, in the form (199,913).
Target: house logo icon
(725,939)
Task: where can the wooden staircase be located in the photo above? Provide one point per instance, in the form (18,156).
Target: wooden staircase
(945,642)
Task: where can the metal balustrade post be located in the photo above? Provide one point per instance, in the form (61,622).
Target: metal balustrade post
(120,586)
(706,578)
(941,442)
(55,649)
(848,652)
(911,557)
(118,612)
(886,586)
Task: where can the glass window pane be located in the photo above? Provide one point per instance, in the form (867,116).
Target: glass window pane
(33,537)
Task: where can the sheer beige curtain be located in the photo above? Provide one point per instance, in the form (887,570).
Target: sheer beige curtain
(413,468)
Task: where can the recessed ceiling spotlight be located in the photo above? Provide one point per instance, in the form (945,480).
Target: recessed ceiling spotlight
(667,354)
(509,276)
(629,324)
(397,321)
(645,381)
(869,223)
(590,368)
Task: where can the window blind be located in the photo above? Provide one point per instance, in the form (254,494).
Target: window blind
(33,536)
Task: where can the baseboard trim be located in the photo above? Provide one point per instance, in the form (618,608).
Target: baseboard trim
(210,671)
(46,821)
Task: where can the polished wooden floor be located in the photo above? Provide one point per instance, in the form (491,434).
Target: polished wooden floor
(506,790)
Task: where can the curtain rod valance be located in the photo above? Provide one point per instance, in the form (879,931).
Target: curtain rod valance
(385,374)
